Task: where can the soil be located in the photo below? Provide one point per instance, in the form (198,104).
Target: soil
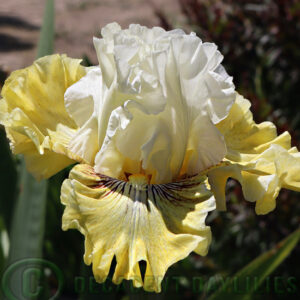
(76,23)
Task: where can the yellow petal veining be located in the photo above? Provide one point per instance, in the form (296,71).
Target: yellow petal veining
(34,115)
(136,221)
(159,106)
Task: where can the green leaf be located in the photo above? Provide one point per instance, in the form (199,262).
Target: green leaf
(245,282)
(27,232)
(29,218)
(46,42)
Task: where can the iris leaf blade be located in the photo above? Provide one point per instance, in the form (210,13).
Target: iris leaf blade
(247,281)
(46,41)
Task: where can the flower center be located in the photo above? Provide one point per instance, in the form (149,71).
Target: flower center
(138,179)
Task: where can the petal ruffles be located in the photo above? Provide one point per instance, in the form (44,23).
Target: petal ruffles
(34,115)
(135,221)
(151,105)
(259,159)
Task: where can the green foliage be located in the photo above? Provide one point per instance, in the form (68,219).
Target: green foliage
(46,42)
(27,232)
(252,276)
(26,236)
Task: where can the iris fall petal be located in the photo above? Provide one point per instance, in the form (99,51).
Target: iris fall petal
(135,221)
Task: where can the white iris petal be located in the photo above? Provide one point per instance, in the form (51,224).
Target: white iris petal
(151,105)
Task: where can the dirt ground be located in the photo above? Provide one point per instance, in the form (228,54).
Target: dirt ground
(76,23)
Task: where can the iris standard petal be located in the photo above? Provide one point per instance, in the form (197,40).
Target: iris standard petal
(151,105)
(33,113)
(259,159)
(135,221)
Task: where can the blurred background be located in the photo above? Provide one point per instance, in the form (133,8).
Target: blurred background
(260,41)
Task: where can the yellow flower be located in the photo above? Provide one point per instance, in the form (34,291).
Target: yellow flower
(158,129)
(259,159)
(134,221)
(33,113)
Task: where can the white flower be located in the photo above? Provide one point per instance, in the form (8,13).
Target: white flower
(151,105)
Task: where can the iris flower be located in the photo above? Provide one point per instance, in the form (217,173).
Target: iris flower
(156,128)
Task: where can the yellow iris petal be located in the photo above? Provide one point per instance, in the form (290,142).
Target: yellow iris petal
(33,113)
(135,221)
(259,159)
